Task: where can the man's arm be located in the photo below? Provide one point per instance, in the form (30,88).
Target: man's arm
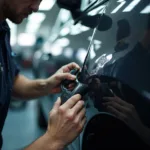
(45,142)
(65,123)
(25,88)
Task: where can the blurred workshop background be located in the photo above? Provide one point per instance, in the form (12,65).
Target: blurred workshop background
(42,43)
(38,57)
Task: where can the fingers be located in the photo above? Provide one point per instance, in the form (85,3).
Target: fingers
(62,76)
(70,66)
(57,104)
(82,114)
(71,102)
(115,105)
(119,108)
(117,113)
(83,122)
(73,65)
(116,99)
(80,123)
(78,107)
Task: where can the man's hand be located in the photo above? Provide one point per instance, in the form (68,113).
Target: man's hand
(66,121)
(63,73)
(127,113)
(124,111)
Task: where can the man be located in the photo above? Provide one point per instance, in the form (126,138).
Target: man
(67,120)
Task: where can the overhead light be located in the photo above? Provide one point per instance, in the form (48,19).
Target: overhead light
(68,52)
(75,29)
(131,6)
(46,5)
(37,54)
(34,22)
(37,17)
(13,30)
(146,10)
(64,15)
(97,46)
(81,54)
(92,52)
(63,42)
(65,31)
(32,28)
(122,3)
(26,39)
(84,28)
(98,10)
(97,42)
(46,47)
(56,50)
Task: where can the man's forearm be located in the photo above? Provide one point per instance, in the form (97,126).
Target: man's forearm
(45,143)
(25,88)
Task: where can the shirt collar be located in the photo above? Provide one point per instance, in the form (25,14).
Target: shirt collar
(4,26)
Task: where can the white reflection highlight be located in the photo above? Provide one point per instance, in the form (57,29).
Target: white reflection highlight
(119,7)
(109,57)
(131,6)
(146,10)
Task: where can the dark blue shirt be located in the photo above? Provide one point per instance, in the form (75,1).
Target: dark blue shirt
(8,71)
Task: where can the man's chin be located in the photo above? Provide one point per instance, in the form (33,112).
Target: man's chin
(17,21)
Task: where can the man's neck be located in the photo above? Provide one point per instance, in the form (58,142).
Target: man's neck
(2,16)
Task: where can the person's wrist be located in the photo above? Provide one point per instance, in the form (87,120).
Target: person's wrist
(53,144)
(49,83)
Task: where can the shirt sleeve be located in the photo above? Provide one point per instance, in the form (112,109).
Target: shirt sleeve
(16,67)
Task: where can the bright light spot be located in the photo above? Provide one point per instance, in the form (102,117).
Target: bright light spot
(92,52)
(131,6)
(102,56)
(26,39)
(97,46)
(56,50)
(97,10)
(32,27)
(146,10)
(13,30)
(68,52)
(122,3)
(63,42)
(37,54)
(37,17)
(75,29)
(46,5)
(84,28)
(46,47)
(97,42)
(81,54)
(65,31)
(34,22)
(64,15)
(109,57)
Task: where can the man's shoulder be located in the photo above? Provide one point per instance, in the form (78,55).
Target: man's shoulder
(4,26)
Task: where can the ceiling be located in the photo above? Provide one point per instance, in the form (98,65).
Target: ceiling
(46,25)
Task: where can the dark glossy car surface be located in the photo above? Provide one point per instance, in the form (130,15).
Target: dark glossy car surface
(119,67)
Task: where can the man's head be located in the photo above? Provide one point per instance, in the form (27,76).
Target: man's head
(17,10)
